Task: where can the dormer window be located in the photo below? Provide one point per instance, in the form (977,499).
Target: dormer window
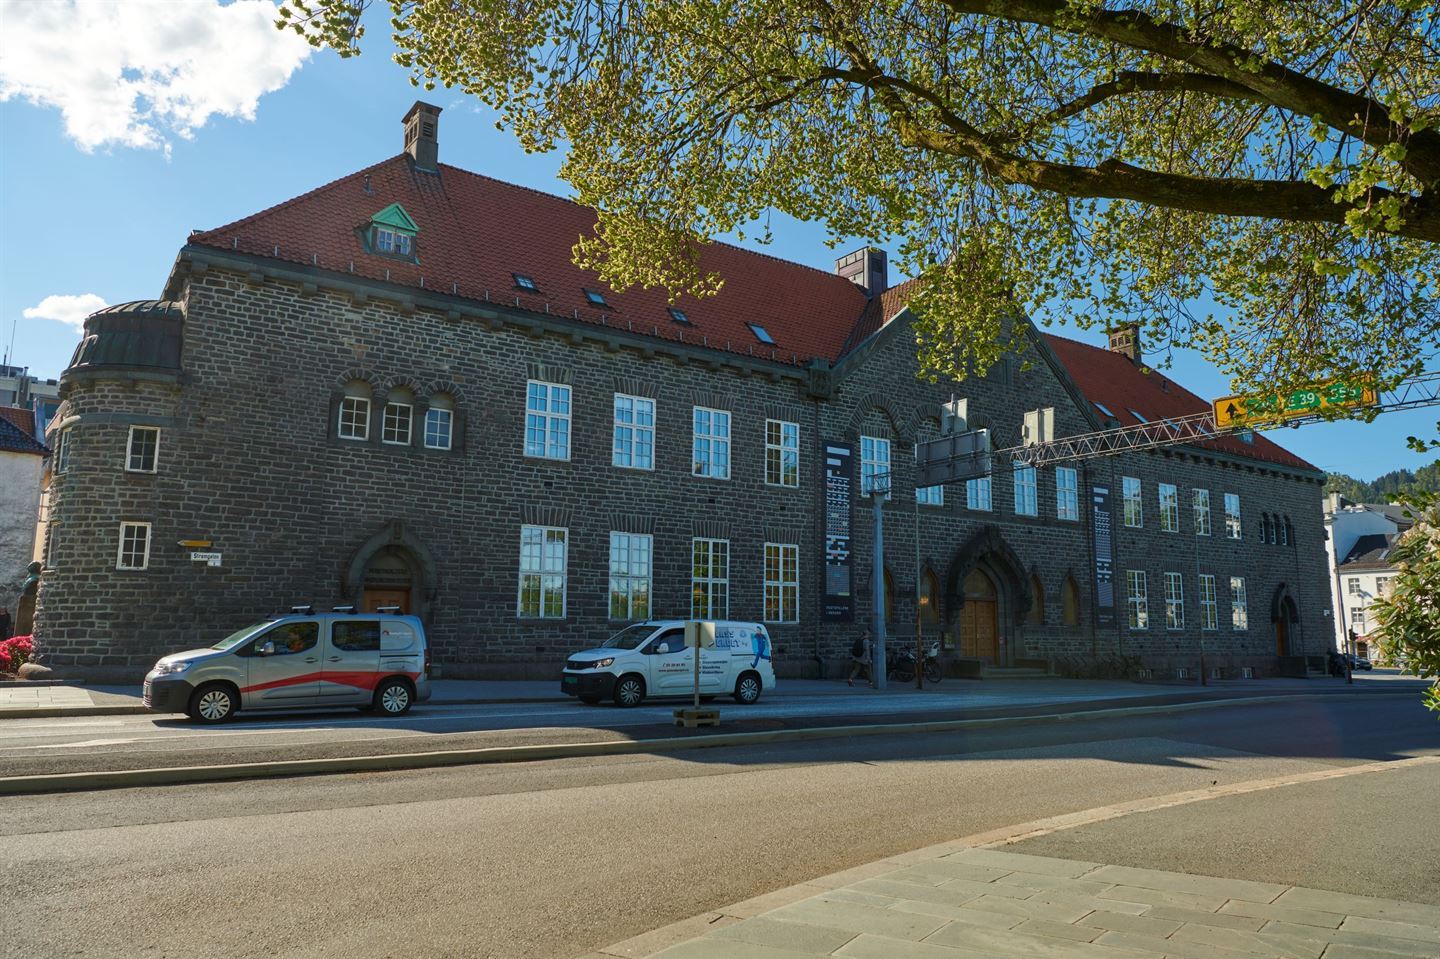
(761,334)
(392,232)
(679,316)
(596,298)
(523,282)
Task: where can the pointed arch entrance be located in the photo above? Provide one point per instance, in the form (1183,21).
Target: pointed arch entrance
(1286,617)
(391,568)
(980,617)
(987,597)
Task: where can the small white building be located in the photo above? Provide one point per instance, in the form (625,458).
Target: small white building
(22,466)
(1358,543)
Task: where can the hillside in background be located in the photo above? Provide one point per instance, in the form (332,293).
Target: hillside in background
(1386,486)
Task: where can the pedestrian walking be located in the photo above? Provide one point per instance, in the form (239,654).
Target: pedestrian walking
(860,655)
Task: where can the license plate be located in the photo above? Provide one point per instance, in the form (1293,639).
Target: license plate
(570,680)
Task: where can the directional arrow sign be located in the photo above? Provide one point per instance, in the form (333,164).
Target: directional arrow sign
(1263,408)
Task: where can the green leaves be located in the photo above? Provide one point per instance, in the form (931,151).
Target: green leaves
(1409,615)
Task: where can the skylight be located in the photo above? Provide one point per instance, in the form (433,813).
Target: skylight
(596,298)
(1246,436)
(761,334)
(1101,408)
(1137,415)
(678,315)
(525,283)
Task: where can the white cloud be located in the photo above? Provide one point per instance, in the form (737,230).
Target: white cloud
(64,308)
(138,72)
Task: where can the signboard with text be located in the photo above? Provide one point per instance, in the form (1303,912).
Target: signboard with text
(1100,519)
(1261,408)
(839,601)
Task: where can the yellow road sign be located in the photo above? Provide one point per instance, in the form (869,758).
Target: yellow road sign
(1261,408)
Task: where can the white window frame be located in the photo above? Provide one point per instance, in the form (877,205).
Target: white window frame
(541,573)
(358,409)
(543,420)
(52,533)
(1200,502)
(447,416)
(637,553)
(782,449)
(1137,599)
(1357,618)
(1352,586)
(1239,605)
(1209,609)
(977,490)
(130,450)
(1027,489)
(406,419)
(1067,493)
(710,446)
(782,582)
(714,587)
(1168,497)
(1133,495)
(120,550)
(875,464)
(632,445)
(1174,601)
(62,452)
(1233,528)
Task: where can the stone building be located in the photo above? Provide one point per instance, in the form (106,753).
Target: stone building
(397,389)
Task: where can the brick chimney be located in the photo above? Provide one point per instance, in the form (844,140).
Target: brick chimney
(866,268)
(1125,340)
(422,142)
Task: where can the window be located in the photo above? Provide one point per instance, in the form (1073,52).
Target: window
(1137,416)
(1102,408)
(1352,586)
(1357,619)
(782,583)
(439,423)
(1383,584)
(288,639)
(874,465)
(1174,601)
(1239,614)
(596,298)
(1201,498)
(523,282)
(782,453)
(1287,533)
(709,579)
(1070,602)
(1134,507)
(547,420)
(761,334)
(142,450)
(52,536)
(977,493)
(1135,595)
(62,451)
(634,442)
(1232,516)
(393,242)
(355,635)
(679,316)
(134,546)
(930,495)
(1267,531)
(398,416)
(1208,618)
(630,561)
(1067,493)
(1025,485)
(1169,508)
(542,572)
(354,413)
(711,449)
(1274,530)
(1036,614)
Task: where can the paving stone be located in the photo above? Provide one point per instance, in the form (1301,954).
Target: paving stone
(986,889)
(878,947)
(1045,865)
(763,903)
(1243,923)
(1345,951)
(855,895)
(914,890)
(1013,943)
(1402,947)
(1121,922)
(1159,897)
(846,876)
(796,936)
(1181,882)
(1366,906)
(1395,930)
(1059,898)
(1039,883)
(1279,946)
(1170,948)
(943,869)
(857,918)
(979,917)
(1260,910)
(1029,909)
(1058,930)
(730,949)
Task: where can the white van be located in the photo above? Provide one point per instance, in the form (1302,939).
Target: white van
(651,659)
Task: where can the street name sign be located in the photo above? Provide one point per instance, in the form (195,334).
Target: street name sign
(1261,408)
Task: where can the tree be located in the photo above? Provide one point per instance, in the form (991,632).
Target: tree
(1409,615)
(1089,160)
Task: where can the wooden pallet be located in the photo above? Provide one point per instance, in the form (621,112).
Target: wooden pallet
(690,718)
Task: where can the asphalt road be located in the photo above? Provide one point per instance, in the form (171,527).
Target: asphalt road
(556,859)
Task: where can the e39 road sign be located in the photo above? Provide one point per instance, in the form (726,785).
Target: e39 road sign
(1261,408)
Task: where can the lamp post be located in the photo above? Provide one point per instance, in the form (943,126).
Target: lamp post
(877,579)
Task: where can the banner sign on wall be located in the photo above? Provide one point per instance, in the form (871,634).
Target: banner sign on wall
(1104,556)
(839,606)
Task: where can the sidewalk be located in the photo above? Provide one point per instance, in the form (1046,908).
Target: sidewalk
(92,700)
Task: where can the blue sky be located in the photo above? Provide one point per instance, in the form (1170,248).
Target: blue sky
(105,168)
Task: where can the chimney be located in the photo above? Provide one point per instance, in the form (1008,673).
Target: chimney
(1126,341)
(866,268)
(422,126)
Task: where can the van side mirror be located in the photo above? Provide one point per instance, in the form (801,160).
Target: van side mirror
(266,648)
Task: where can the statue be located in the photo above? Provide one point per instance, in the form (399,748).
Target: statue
(25,609)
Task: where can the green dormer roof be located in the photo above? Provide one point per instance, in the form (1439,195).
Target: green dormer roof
(395,217)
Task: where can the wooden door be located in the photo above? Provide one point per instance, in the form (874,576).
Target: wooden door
(980,619)
(1282,637)
(373,599)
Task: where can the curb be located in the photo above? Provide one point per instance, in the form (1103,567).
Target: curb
(53,712)
(176,775)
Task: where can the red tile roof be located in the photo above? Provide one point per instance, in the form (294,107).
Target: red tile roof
(1112,380)
(474,232)
(21,417)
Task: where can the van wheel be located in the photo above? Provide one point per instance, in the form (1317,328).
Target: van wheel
(629,690)
(212,704)
(747,689)
(393,697)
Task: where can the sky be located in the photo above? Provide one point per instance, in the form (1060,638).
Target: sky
(125,125)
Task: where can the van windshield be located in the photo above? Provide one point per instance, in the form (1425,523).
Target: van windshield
(239,636)
(630,637)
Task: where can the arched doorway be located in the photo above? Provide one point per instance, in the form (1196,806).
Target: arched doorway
(1285,616)
(393,567)
(980,617)
(388,580)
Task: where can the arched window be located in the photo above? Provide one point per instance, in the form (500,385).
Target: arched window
(1287,533)
(1070,600)
(353,422)
(929,599)
(1274,534)
(399,419)
(440,422)
(1036,615)
(1264,527)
